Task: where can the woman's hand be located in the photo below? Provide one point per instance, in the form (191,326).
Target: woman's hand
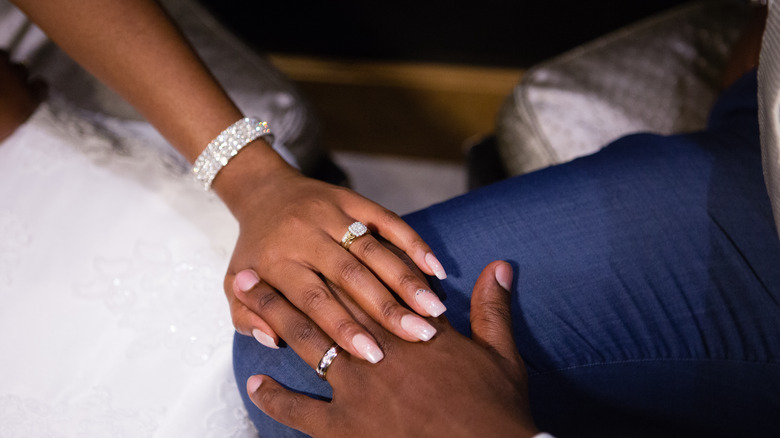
(290,233)
(451,386)
(291,226)
(19,96)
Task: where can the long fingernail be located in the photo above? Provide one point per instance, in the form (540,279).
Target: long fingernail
(430,302)
(504,276)
(435,266)
(253,383)
(417,327)
(246,280)
(264,339)
(367,348)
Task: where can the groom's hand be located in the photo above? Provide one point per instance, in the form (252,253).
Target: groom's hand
(450,386)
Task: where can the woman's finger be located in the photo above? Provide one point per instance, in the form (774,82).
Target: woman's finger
(249,324)
(290,408)
(245,321)
(299,332)
(372,296)
(309,293)
(391,227)
(397,276)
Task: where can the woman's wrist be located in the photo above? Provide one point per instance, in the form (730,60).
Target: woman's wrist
(227,145)
(256,166)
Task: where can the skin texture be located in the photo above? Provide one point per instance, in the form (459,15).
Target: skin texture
(19,96)
(450,386)
(290,225)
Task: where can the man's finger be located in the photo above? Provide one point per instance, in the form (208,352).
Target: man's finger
(287,407)
(491,319)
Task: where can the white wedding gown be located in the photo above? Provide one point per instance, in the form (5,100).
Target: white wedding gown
(112,322)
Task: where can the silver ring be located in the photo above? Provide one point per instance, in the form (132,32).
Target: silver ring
(327,359)
(354,231)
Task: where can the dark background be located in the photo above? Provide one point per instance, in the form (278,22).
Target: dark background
(479,32)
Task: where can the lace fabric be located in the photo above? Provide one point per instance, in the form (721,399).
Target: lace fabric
(114,321)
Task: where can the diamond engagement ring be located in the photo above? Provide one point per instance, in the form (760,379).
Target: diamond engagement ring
(327,359)
(354,231)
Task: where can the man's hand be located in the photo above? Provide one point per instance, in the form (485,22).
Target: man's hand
(450,386)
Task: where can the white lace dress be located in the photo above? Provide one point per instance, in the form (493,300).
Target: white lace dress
(113,322)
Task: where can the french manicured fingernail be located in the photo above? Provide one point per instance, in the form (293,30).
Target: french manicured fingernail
(504,276)
(264,339)
(417,327)
(367,348)
(253,383)
(430,302)
(435,266)
(246,280)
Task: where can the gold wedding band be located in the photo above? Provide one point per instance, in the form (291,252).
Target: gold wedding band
(327,359)
(354,231)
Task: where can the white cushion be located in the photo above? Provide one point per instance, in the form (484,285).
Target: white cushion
(660,75)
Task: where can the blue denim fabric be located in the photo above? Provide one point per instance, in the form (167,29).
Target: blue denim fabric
(647,290)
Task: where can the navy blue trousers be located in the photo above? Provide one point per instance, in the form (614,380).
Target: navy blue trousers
(647,286)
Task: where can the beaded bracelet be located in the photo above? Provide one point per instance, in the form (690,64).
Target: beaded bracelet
(226,146)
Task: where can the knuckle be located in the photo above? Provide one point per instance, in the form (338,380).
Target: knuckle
(345,329)
(409,281)
(267,300)
(305,208)
(304,331)
(341,193)
(390,310)
(318,204)
(315,298)
(370,247)
(350,271)
(417,244)
(494,313)
(269,401)
(390,217)
(270,254)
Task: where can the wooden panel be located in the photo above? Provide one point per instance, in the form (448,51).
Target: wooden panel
(422,110)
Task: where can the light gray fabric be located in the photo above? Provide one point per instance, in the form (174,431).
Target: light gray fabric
(769,106)
(253,83)
(659,75)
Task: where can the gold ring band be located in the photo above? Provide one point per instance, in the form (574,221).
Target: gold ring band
(354,231)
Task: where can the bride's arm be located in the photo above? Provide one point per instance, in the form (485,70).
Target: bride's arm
(134,48)
(290,225)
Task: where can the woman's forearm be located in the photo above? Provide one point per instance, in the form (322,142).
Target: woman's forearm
(133,47)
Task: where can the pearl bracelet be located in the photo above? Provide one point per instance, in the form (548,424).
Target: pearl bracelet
(226,146)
